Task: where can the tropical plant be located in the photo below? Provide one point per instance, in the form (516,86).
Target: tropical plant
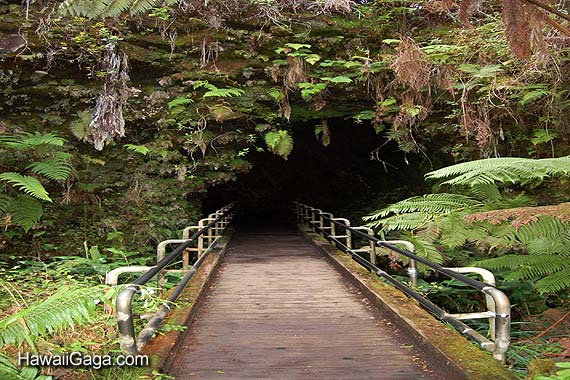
(215,92)
(69,306)
(547,242)
(23,208)
(108,8)
(414,212)
(502,170)
(534,245)
(279,142)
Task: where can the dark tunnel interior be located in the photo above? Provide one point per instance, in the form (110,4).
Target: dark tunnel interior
(332,178)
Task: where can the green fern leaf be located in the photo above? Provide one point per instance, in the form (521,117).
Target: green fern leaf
(547,246)
(106,8)
(457,232)
(224,92)
(56,168)
(555,282)
(545,228)
(409,222)
(180,101)
(434,204)
(486,192)
(508,261)
(25,211)
(26,184)
(528,266)
(4,203)
(29,140)
(64,309)
(424,248)
(502,170)
(137,148)
(279,142)
(142,6)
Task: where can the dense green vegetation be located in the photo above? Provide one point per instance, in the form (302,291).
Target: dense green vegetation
(118,117)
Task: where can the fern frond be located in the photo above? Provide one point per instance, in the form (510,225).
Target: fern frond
(434,204)
(555,282)
(548,246)
(424,247)
(64,309)
(486,192)
(527,266)
(137,148)
(457,232)
(107,8)
(509,261)
(28,140)
(502,170)
(25,211)
(224,92)
(409,222)
(4,203)
(56,168)
(26,184)
(540,268)
(544,228)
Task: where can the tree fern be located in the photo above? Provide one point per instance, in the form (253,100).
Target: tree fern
(414,212)
(64,309)
(428,203)
(409,222)
(57,167)
(547,242)
(26,184)
(25,211)
(502,170)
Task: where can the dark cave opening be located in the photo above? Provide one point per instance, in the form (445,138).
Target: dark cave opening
(337,178)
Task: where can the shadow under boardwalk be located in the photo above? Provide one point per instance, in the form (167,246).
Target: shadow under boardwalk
(279,310)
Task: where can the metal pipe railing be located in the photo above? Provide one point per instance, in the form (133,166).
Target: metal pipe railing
(499,309)
(129,342)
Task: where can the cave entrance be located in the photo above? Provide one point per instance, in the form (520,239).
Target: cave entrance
(340,178)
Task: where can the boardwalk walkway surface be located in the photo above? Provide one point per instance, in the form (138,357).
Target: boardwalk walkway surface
(278,310)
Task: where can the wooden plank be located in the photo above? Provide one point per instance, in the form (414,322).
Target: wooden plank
(278,310)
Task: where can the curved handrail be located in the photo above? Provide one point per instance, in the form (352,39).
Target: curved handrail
(500,313)
(130,344)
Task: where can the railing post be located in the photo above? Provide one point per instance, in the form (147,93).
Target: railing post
(502,322)
(488,278)
(125,322)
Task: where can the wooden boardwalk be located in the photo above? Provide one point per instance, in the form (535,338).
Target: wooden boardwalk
(279,310)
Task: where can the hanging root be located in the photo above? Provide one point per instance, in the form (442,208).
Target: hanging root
(107,121)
